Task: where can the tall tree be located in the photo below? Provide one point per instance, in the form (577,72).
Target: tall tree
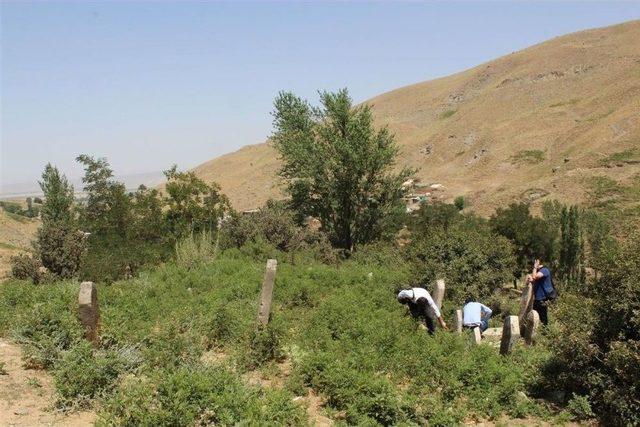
(530,235)
(106,213)
(59,245)
(193,205)
(338,167)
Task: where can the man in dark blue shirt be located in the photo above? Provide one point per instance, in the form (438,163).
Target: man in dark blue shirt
(543,290)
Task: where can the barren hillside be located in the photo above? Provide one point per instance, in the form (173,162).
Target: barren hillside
(535,124)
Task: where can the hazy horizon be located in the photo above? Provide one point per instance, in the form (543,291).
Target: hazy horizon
(148,85)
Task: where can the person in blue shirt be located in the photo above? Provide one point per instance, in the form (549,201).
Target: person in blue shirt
(543,289)
(475,314)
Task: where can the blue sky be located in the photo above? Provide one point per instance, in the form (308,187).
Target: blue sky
(149,84)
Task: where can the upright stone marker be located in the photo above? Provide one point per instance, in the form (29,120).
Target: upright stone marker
(510,334)
(533,321)
(438,293)
(267,292)
(476,336)
(459,321)
(89,311)
(526,305)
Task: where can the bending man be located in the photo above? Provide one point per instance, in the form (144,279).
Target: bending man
(475,314)
(421,306)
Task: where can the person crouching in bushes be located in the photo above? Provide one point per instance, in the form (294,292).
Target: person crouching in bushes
(421,306)
(475,314)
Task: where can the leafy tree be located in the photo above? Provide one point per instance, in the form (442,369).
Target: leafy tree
(530,235)
(59,244)
(106,213)
(338,167)
(434,216)
(571,267)
(58,195)
(193,205)
(459,203)
(147,222)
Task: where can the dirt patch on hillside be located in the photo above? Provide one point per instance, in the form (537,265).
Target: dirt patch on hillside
(26,395)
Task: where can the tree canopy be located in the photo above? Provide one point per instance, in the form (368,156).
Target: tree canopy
(338,167)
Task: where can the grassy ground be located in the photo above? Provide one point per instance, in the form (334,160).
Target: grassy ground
(179,347)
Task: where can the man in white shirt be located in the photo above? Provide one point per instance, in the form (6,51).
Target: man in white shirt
(475,314)
(422,306)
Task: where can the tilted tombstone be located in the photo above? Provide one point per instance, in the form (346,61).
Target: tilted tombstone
(510,334)
(438,293)
(533,321)
(438,296)
(89,311)
(526,305)
(459,321)
(267,292)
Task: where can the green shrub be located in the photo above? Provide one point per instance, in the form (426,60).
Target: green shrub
(194,250)
(60,248)
(473,261)
(45,333)
(25,267)
(83,373)
(580,408)
(264,346)
(197,395)
(596,347)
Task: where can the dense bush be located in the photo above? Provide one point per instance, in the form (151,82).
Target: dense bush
(472,260)
(60,247)
(530,235)
(25,267)
(597,341)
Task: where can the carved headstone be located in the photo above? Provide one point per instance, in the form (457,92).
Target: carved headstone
(89,311)
(526,304)
(267,292)
(510,334)
(438,293)
(533,321)
(459,321)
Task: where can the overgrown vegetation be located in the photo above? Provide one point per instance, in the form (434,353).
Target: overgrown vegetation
(179,274)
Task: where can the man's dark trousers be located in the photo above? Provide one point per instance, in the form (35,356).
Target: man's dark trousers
(541,308)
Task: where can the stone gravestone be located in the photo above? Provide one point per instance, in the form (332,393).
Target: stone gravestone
(438,293)
(526,304)
(459,321)
(510,334)
(533,321)
(476,336)
(267,292)
(89,311)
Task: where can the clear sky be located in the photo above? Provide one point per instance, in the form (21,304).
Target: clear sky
(149,84)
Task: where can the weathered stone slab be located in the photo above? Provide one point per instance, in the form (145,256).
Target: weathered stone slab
(526,305)
(532,323)
(89,311)
(510,334)
(438,293)
(267,292)
(459,321)
(476,336)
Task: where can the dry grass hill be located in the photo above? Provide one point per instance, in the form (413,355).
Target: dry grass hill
(16,234)
(544,122)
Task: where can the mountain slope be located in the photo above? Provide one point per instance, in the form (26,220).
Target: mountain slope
(535,124)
